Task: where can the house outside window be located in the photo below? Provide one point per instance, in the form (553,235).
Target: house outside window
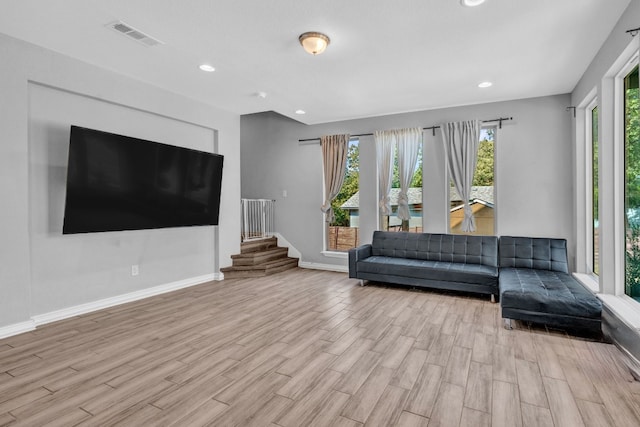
(482,191)
(414,193)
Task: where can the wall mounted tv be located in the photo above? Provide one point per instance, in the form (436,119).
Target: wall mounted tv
(116,182)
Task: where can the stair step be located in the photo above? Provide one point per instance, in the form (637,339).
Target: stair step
(254,258)
(258,245)
(264,266)
(261,270)
(292,263)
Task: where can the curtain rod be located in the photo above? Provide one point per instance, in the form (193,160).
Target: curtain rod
(432,128)
(633,32)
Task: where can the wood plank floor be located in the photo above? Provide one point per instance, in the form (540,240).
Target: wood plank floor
(309,348)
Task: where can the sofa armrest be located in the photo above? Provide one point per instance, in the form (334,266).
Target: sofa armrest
(355,255)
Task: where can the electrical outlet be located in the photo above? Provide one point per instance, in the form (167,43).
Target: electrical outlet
(135,270)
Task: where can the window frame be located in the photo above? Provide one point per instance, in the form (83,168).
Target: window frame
(620,168)
(380,219)
(610,284)
(589,230)
(332,253)
(495,184)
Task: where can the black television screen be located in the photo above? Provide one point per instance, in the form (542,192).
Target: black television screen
(116,182)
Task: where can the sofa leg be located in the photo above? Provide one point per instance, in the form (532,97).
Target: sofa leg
(493,298)
(507,324)
(361,282)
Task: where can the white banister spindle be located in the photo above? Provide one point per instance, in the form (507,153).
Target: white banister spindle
(258,218)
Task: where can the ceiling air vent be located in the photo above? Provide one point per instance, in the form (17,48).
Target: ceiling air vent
(133,33)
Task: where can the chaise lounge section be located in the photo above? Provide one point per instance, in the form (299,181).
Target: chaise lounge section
(441,261)
(535,286)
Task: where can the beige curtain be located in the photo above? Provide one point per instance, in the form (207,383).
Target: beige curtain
(334,163)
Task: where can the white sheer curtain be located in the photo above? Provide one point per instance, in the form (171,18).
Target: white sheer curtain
(385,142)
(461,141)
(409,142)
(334,163)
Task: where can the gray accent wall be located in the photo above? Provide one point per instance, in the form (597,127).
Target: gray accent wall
(599,80)
(534,170)
(42,271)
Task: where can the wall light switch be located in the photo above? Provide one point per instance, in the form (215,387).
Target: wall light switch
(135,270)
(284,193)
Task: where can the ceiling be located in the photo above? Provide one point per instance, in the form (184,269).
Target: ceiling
(385,56)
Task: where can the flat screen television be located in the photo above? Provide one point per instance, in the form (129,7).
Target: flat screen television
(116,182)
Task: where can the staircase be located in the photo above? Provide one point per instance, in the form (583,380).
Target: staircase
(259,258)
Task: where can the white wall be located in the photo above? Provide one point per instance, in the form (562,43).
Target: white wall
(41,271)
(534,173)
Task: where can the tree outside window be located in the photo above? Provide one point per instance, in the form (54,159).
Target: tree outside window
(482,191)
(632,184)
(343,232)
(392,222)
(595,225)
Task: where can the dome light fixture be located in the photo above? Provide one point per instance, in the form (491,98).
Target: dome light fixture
(313,42)
(485,84)
(471,3)
(301,112)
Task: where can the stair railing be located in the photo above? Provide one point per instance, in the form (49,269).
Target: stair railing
(258,219)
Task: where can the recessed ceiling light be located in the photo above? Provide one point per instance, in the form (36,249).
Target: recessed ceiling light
(300,112)
(208,68)
(485,84)
(471,3)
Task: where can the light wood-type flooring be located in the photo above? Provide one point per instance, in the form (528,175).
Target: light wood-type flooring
(309,348)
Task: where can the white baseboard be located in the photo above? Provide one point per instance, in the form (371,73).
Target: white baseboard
(294,253)
(65,313)
(327,267)
(17,328)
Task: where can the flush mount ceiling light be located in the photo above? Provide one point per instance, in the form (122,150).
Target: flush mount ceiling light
(208,68)
(300,112)
(471,3)
(485,84)
(314,42)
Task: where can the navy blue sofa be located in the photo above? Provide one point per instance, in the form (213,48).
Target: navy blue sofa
(530,275)
(442,261)
(535,285)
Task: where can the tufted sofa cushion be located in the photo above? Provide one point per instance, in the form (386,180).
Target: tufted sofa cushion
(431,270)
(545,291)
(531,252)
(436,247)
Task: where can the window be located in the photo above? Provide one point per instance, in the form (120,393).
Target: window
(632,184)
(593,216)
(482,191)
(392,222)
(343,232)
(608,178)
